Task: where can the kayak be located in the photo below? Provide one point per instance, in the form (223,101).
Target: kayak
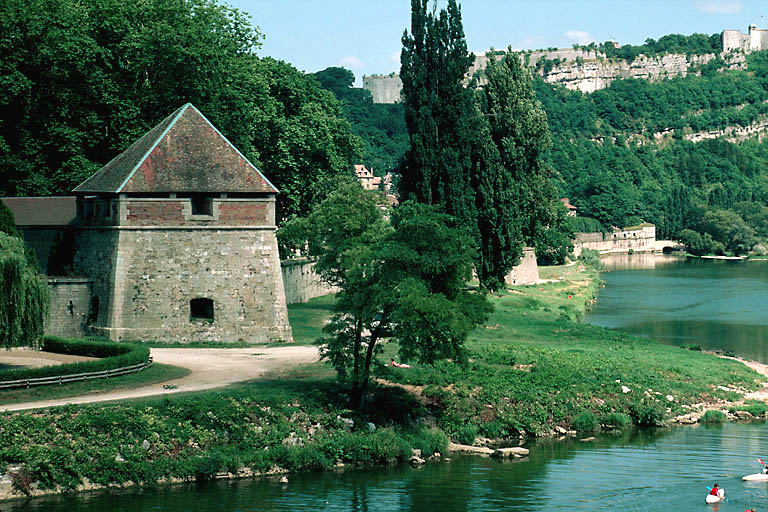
(757,477)
(711,498)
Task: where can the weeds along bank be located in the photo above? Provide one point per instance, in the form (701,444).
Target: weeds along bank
(270,427)
(534,370)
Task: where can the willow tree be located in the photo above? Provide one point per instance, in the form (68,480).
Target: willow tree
(24,301)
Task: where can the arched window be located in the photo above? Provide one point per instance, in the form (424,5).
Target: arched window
(201,309)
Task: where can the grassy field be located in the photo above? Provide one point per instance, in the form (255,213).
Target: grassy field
(534,367)
(308,319)
(152,375)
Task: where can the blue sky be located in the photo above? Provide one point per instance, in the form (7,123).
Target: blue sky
(364,35)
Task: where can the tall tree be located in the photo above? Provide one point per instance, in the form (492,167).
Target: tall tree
(515,198)
(24,301)
(402,279)
(438,108)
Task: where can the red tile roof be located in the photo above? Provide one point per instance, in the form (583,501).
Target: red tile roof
(184,153)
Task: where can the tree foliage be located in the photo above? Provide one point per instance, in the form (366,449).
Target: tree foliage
(82,80)
(402,280)
(438,111)
(24,301)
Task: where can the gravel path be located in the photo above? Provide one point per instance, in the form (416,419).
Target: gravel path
(210,367)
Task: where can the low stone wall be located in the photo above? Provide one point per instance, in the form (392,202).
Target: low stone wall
(69,307)
(300,281)
(642,239)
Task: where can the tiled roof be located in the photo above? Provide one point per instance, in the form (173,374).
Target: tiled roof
(184,153)
(42,211)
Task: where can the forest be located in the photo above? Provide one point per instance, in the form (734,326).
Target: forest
(621,154)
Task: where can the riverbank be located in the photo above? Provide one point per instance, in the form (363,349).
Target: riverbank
(533,371)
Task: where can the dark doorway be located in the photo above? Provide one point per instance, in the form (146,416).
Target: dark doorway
(201,309)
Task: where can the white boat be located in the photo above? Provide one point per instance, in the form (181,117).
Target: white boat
(757,477)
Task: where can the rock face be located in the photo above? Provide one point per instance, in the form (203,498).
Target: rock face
(585,71)
(511,453)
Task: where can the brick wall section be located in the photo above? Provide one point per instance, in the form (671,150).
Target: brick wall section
(155,213)
(243,213)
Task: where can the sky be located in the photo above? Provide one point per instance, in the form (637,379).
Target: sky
(365,35)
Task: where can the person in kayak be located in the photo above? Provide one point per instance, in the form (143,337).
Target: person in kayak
(715,490)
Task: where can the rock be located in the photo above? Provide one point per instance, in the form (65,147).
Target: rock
(670,398)
(119,458)
(587,439)
(283,480)
(744,415)
(723,388)
(338,465)
(508,453)
(560,430)
(472,450)
(349,423)
(481,441)
(434,456)
(415,452)
(371,427)
(145,445)
(625,389)
(416,461)
(293,441)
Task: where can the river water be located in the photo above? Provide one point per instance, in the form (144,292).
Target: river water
(714,304)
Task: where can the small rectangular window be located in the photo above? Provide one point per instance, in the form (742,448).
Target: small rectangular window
(201,309)
(201,205)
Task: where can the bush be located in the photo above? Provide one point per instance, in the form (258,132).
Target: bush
(112,355)
(585,421)
(647,415)
(713,416)
(467,434)
(616,421)
(591,258)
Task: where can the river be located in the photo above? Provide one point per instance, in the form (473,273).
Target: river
(714,304)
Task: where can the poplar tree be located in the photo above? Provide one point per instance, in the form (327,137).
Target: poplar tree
(438,109)
(514,196)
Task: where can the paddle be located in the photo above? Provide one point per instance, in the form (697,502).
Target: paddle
(760,461)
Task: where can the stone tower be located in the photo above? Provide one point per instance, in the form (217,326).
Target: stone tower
(177,234)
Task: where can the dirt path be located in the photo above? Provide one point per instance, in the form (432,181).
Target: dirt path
(210,367)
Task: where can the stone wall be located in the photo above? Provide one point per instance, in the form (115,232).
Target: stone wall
(526,272)
(153,262)
(70,306)
(301,283)
(642,239)
(383,88)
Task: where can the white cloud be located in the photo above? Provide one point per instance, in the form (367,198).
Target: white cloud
(579,36)
(350,62)
(719,6)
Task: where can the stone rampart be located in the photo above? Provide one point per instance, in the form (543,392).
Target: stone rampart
(301,283)
(383,88)
(69,307)
(525,272)
(641,239)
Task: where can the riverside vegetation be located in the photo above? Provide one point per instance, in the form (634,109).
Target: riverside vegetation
(532,368)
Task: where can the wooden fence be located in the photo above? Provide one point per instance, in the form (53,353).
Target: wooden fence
(74,377)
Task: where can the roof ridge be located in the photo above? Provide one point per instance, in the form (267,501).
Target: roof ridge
(178,114)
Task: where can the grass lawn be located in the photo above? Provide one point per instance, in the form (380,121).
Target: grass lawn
(534,366)
(307,319)
(152,375)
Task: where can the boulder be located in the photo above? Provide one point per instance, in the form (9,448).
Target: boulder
(744,415)
(471,450)
(416,461)
(515,452)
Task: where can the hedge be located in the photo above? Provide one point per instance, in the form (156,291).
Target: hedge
(111,355)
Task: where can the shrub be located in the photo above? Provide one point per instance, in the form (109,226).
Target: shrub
(713,416)
(647,415)
(467,434)
(112,355)
(616,421)
(585,421)
(591,258)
